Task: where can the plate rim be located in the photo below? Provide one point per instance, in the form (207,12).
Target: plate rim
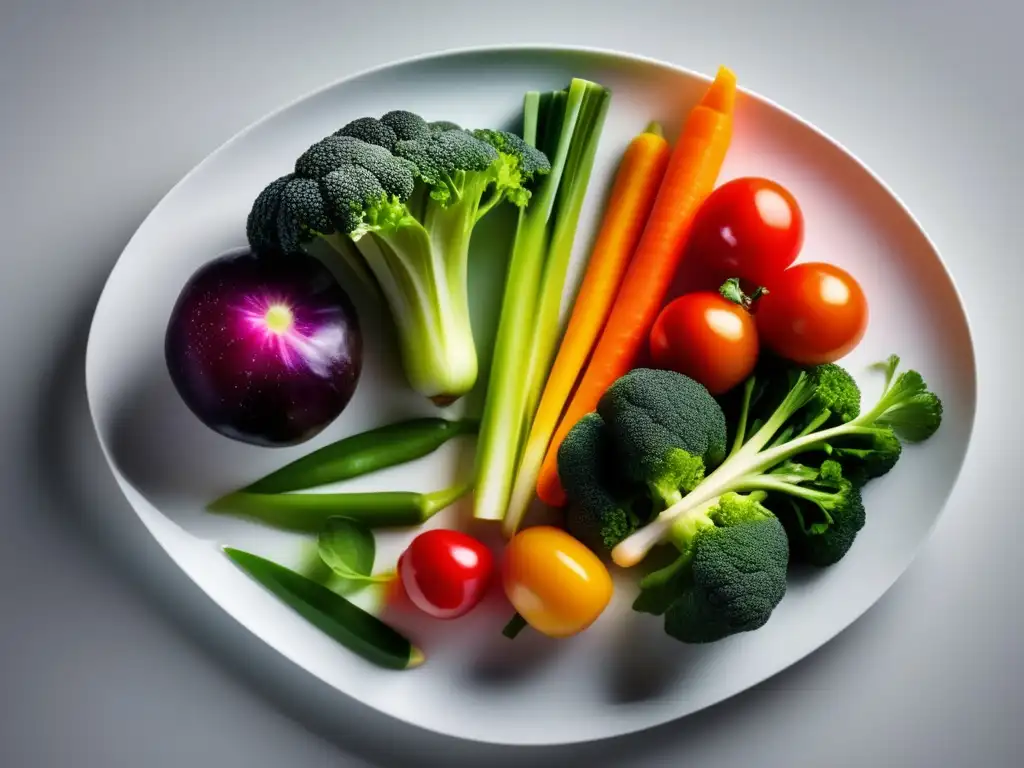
(970,368)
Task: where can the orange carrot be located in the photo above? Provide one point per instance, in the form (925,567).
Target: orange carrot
(690,177)
(629,204)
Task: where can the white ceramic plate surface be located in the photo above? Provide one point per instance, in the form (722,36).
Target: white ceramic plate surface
(624,674)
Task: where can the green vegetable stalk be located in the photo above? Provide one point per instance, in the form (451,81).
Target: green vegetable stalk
(566,125)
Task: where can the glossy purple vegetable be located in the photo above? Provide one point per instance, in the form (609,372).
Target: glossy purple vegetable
(266,350)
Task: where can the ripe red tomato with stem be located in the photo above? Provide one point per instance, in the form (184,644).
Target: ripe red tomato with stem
(750,227)
(709,336)
(445,573)
(813,313)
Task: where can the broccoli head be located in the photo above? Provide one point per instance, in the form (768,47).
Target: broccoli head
(602,512)
(730,574)
(398,198)
(823,517)
(667,428)
(370,130)
(448,161)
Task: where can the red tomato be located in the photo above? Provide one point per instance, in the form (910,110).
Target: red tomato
(445,573)
(751,228)
(813,313)
(706,337)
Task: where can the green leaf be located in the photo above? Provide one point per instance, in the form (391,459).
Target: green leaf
(348,548)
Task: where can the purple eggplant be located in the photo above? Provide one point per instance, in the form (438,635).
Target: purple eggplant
(264,349)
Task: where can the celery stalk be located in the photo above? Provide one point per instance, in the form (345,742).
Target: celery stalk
(566,125)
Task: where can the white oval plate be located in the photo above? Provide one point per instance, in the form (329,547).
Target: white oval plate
(624,674)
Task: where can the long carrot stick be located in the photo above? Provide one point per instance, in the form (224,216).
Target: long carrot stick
(691,176)
(629,205)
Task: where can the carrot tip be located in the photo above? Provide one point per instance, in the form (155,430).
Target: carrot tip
(655,128)
(721,94)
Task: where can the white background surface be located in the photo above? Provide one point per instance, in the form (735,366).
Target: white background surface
(109,655)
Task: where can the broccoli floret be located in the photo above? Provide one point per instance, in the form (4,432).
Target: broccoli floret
(398,199)
(520,163)
(773,456)
(372,131)
(261,224)
(668,429)
(406,125)
(730,574)
(865,457)
(439,126)
(602,512)
(396,175)
(302,215)
(454,164)
(907,407)
(822,516)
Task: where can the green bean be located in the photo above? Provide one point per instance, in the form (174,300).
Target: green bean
(344,621)
(309,512)
(363,453)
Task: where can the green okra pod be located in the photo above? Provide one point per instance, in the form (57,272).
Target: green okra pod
(309,512)
(361,454)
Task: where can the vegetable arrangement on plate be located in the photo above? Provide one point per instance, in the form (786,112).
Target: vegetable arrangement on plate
(715,427)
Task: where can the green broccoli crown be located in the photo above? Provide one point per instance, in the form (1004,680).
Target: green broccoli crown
(440,126)
(821,510)
(261,223)
(444,158)
(836,392)
(371,130)
(396,175)
(406,125)
(829,546)
(302,215)
(340,184)
(529,160)
(668,428)
(738,573)
(599,514)
(865,457)
(358,202)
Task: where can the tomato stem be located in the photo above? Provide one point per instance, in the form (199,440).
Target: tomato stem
(732,291)
(515,625)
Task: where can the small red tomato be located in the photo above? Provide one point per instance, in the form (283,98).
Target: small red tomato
(751,228)
(707,337)
(445,573)
(813,313)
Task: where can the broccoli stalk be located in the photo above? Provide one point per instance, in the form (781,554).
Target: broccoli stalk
(905,409)
(398,198)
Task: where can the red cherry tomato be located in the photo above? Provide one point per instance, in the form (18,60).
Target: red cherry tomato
(813,313)
(751,228)
(445,573)
(707,337)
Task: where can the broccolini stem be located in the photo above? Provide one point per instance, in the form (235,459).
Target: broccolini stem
(496,196)
(741,425)
(816,422)
(781,484)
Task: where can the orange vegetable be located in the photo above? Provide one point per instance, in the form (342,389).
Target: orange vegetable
(632,196)
(557,585)
(690,177)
